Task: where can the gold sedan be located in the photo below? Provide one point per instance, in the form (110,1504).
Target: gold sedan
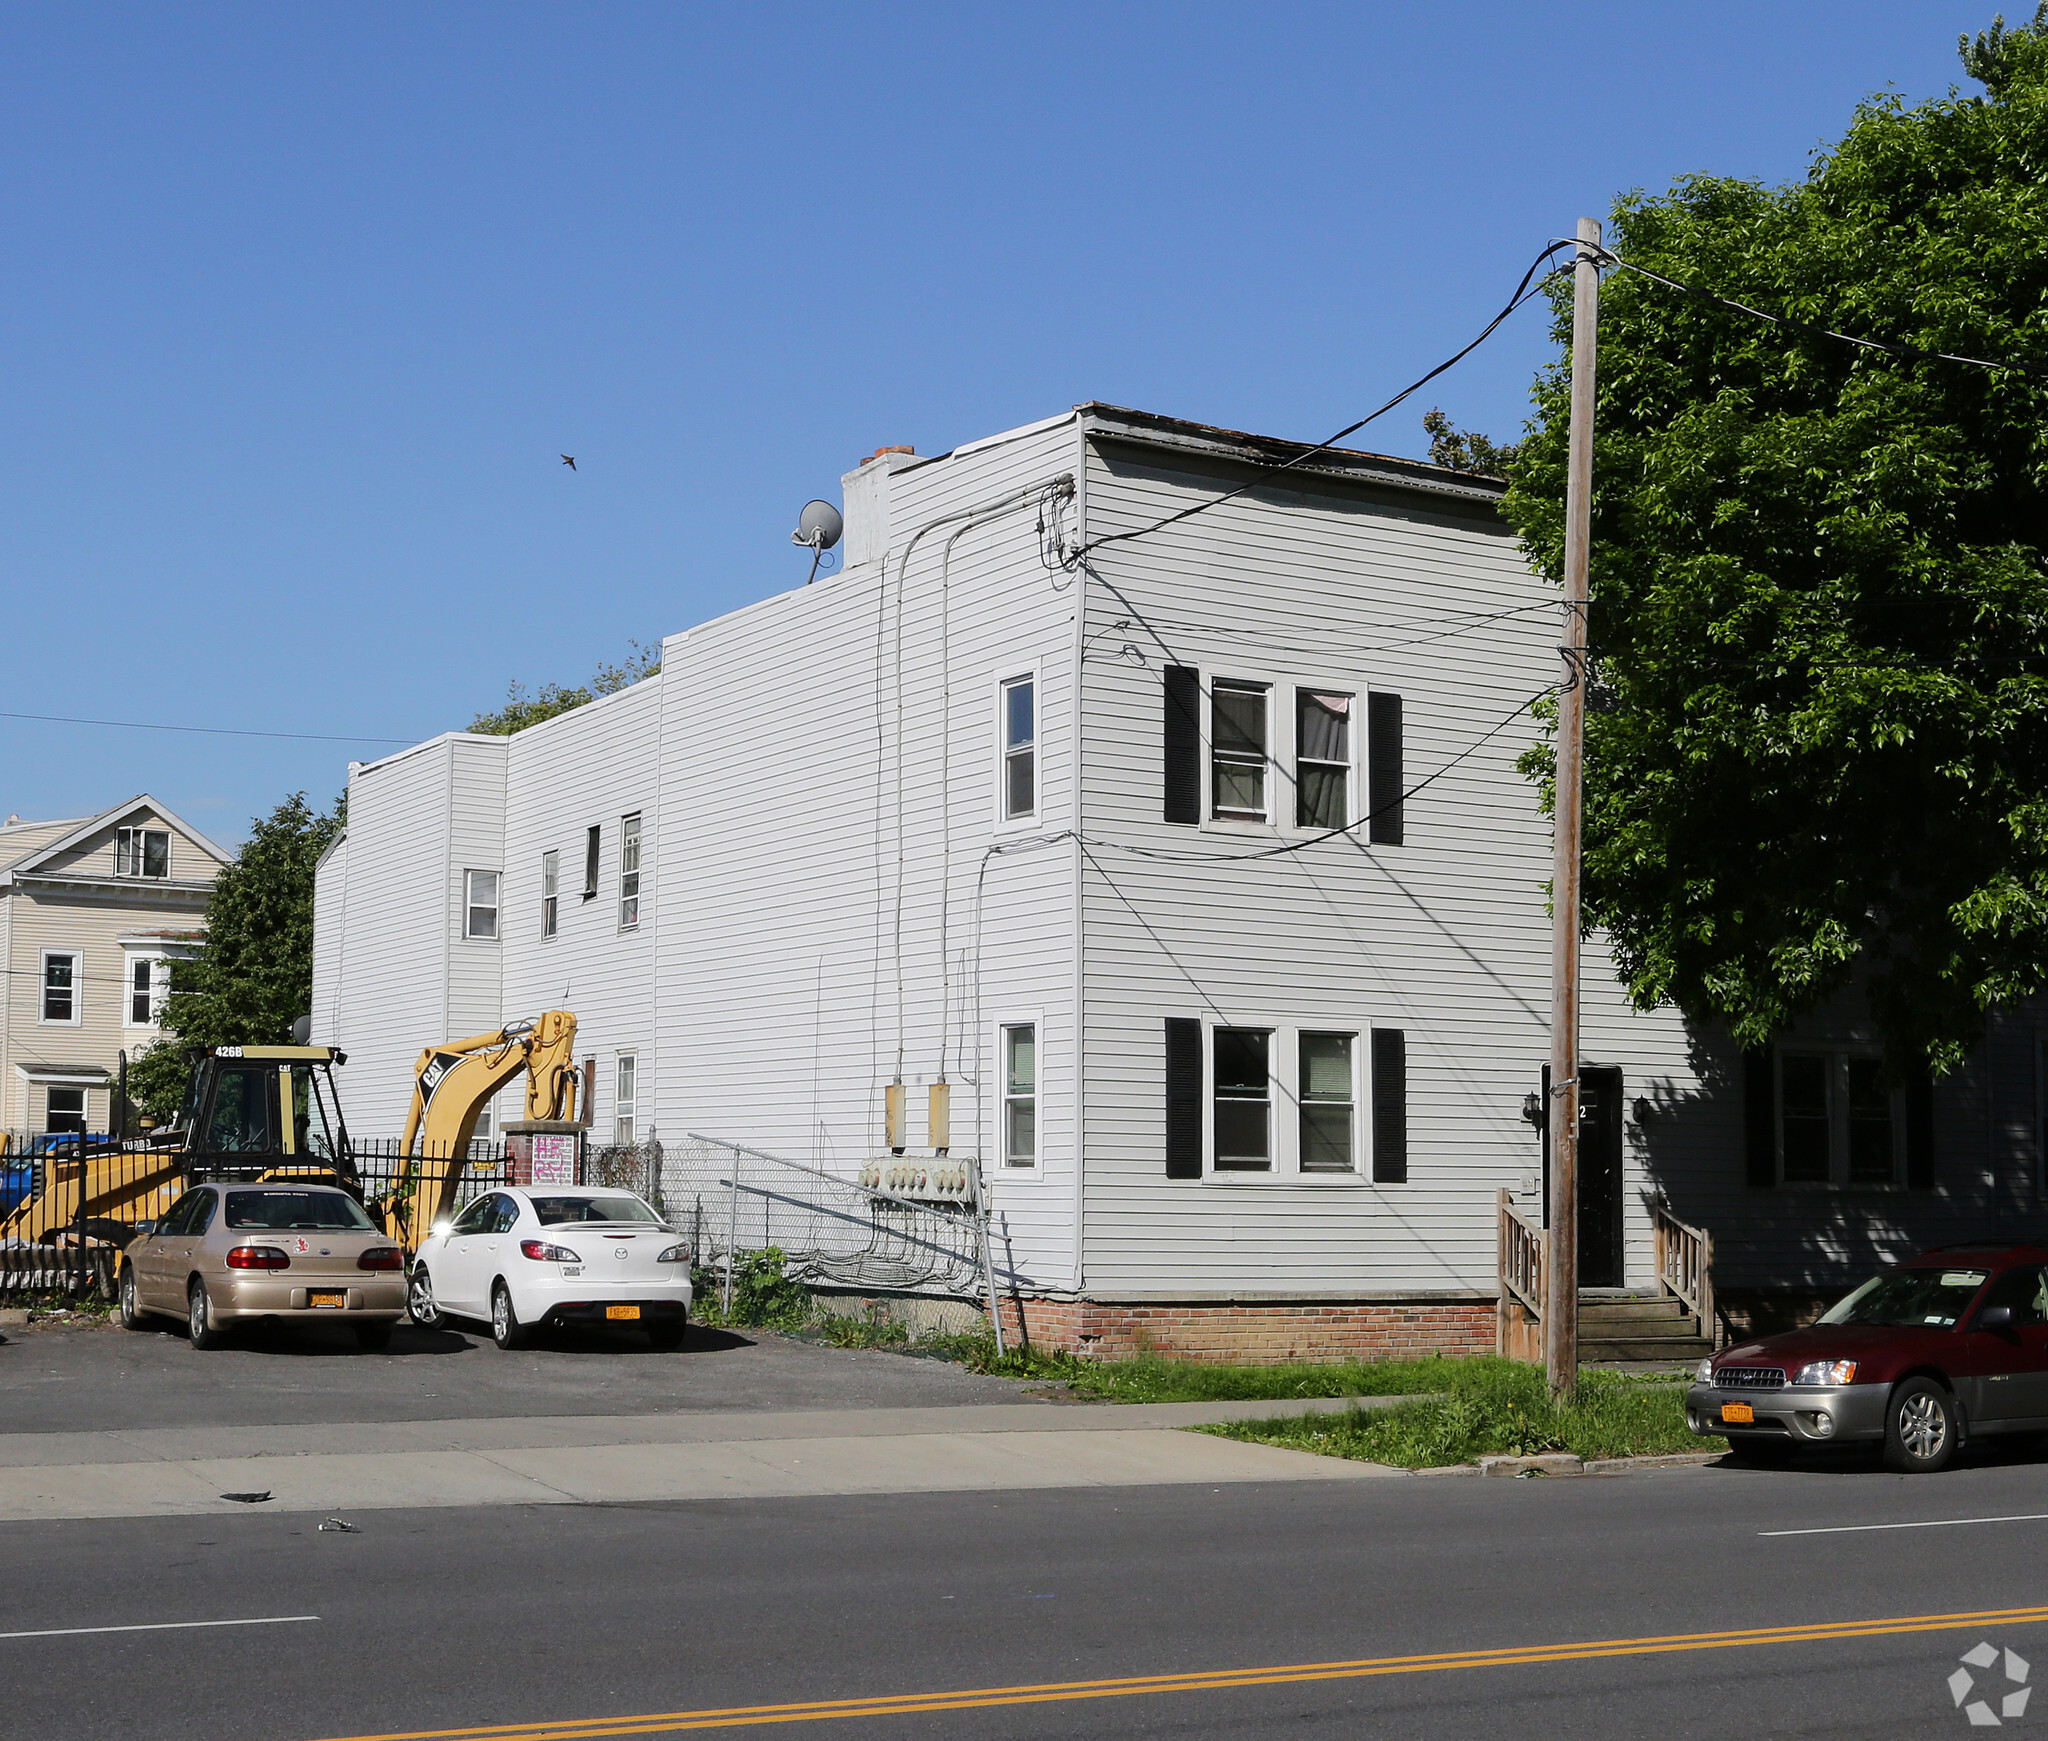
(229,1253)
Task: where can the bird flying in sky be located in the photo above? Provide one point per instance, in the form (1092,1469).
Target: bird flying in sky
(569,462)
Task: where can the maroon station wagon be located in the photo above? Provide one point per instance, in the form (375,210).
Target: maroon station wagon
(1945,1346)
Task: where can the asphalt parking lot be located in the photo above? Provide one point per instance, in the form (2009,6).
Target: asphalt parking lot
(89,1378)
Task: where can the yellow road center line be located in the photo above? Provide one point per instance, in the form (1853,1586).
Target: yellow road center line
(1054,1692)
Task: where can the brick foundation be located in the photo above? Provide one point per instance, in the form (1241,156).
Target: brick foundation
(1258,1332)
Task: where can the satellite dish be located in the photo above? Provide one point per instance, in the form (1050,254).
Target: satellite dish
(818,527)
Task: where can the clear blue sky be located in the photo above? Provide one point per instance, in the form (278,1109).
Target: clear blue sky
(301,303)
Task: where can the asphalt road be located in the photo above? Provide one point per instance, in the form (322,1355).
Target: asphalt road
(98,1379)
(447,1620)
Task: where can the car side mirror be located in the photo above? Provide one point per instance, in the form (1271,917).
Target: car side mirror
(1995,1318)
(143,1229)
(439,1227)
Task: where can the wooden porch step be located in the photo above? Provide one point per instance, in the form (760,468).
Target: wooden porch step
(1673,1349)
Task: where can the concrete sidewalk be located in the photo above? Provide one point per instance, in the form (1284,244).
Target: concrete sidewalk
(557,1460)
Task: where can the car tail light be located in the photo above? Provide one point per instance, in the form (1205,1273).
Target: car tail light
(674,1254)
(258,1257)
(542,1252)
(381,1257)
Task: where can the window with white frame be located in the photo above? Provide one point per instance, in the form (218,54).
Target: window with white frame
(1020,1094)
(480,901)
(1322,765)
(60,989)
(1020,747)
(1238,736)
(142,852)
(148,978)
(625,1099)
(1329,1103)
(1242,1101)
(1838,1121)
(64,1111)
(629,872)
(550,893)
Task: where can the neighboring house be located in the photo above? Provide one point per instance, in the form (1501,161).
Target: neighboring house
(1060,836)
(90,911)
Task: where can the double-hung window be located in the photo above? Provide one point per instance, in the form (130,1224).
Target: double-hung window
(629,872)
(61,974)
(550,893)
(1322,775)
(1242,1117)
(146,979)
(1237,750)
(64,1111)
(1020,748)
(1838,1122)
(480,902)
(1328,1104)
(625,1099)
(142,852)
(1020,1094)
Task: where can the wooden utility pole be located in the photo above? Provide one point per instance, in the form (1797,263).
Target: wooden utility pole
(1561,1262)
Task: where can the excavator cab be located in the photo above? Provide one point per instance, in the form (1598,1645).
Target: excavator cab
(266,1112)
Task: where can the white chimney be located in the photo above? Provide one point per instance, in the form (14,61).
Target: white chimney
(865,492)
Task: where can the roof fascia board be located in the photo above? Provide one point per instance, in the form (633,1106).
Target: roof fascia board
(93,824)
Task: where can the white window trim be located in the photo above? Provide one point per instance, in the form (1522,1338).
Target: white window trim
(629,1055)
(463,932)
(549,933)
(639,871)
(142,857)
(77,1016)
(1284,1060)
(1284,689)
(159,986)
(1003,822)
(1838,1053)
(994,1100)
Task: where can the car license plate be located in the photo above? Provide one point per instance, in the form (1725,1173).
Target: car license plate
(1740,1413)
(622,1311)
(332,1302)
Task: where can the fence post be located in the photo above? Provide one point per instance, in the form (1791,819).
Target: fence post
(80,1260)
(732,1231)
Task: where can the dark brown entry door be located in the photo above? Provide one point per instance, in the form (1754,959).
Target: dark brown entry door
(1601,1257)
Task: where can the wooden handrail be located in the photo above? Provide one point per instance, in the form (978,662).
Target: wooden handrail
(1522,1246)
(1685,1268)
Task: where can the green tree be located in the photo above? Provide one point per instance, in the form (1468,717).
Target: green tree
(522,710)
(1465,450)
(156,1080)
(253,977)
(1817,745)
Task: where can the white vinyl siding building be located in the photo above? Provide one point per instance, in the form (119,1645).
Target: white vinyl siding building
(1200,869)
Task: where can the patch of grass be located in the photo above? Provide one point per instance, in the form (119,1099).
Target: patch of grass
(1495,1407)
(1152,1378)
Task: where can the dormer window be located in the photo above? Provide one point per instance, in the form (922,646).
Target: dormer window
(142,852)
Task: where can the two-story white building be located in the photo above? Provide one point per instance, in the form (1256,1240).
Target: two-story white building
(1198,867)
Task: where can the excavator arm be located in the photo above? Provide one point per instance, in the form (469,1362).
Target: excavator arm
(452,1082)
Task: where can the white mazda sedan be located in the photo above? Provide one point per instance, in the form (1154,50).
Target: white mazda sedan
(530,1257)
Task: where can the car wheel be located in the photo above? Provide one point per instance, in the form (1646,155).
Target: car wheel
(133,1317)
(668,1336)
(1920,1428)
(203,1329)
(506,1329)
(419,1299)
(373,1338)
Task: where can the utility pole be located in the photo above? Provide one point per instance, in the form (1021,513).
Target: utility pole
(1561,1260)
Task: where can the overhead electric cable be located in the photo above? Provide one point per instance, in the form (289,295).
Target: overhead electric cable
(1528,287)
(210,730)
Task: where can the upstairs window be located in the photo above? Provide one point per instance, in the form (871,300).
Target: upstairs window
(1243,1108)
(550,893)
(629,872)
(590,846)
(1322,778)
(480,901)
(60,986)
(148,978)
(1020,747)
(142,852)
(625,1099)
(1237,751)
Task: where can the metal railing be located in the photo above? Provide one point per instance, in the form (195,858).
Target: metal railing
(1685,1268)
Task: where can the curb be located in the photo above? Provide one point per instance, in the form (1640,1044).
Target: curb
(1563,1463)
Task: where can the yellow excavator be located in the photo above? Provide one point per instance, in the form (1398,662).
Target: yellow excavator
(451,1084)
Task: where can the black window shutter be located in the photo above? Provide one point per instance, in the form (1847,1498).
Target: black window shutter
(1389,1106)
(1759,1117)
(1183,1098)
(1920,1134)
(1183,744)
(1384,765)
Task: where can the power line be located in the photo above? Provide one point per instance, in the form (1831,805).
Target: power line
(1528,287)
(209,730)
